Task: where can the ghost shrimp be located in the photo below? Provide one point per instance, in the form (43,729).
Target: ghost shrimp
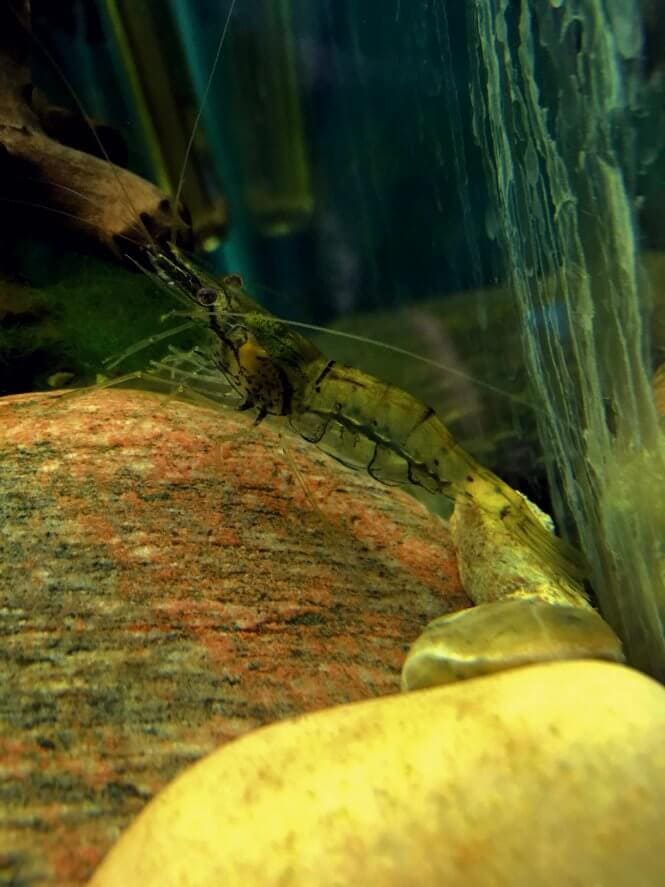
(361,421)
(370,425)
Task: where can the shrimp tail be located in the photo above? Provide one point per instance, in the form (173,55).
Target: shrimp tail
(524,522)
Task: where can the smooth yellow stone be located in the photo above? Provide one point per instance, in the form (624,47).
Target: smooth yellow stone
(505,634)
(550,775)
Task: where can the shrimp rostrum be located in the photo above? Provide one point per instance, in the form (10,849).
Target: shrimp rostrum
(359,420)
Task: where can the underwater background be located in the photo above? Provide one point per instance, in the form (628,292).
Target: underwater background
(478,183)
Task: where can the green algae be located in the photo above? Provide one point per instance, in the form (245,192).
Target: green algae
(556,94)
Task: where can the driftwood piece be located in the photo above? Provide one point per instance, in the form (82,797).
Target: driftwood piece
(86,194)
(166,586)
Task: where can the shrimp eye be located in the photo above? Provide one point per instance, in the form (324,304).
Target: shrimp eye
(206,296)
(233,280)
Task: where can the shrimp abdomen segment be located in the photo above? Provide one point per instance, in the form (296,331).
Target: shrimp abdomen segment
(377,427)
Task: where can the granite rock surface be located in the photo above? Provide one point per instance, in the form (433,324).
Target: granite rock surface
(170,579)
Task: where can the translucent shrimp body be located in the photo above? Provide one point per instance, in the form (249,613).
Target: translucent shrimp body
(526,581)
(363,422)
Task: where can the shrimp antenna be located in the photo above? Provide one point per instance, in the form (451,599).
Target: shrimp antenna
(403,352)
(413,355)
(63,212)
(79,104)
(204,98)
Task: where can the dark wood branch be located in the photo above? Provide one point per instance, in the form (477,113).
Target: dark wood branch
(44,179)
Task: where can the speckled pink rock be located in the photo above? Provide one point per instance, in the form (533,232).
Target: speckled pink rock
(167,585)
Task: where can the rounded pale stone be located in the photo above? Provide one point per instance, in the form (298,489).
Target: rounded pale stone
(505,634)
(548,775)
